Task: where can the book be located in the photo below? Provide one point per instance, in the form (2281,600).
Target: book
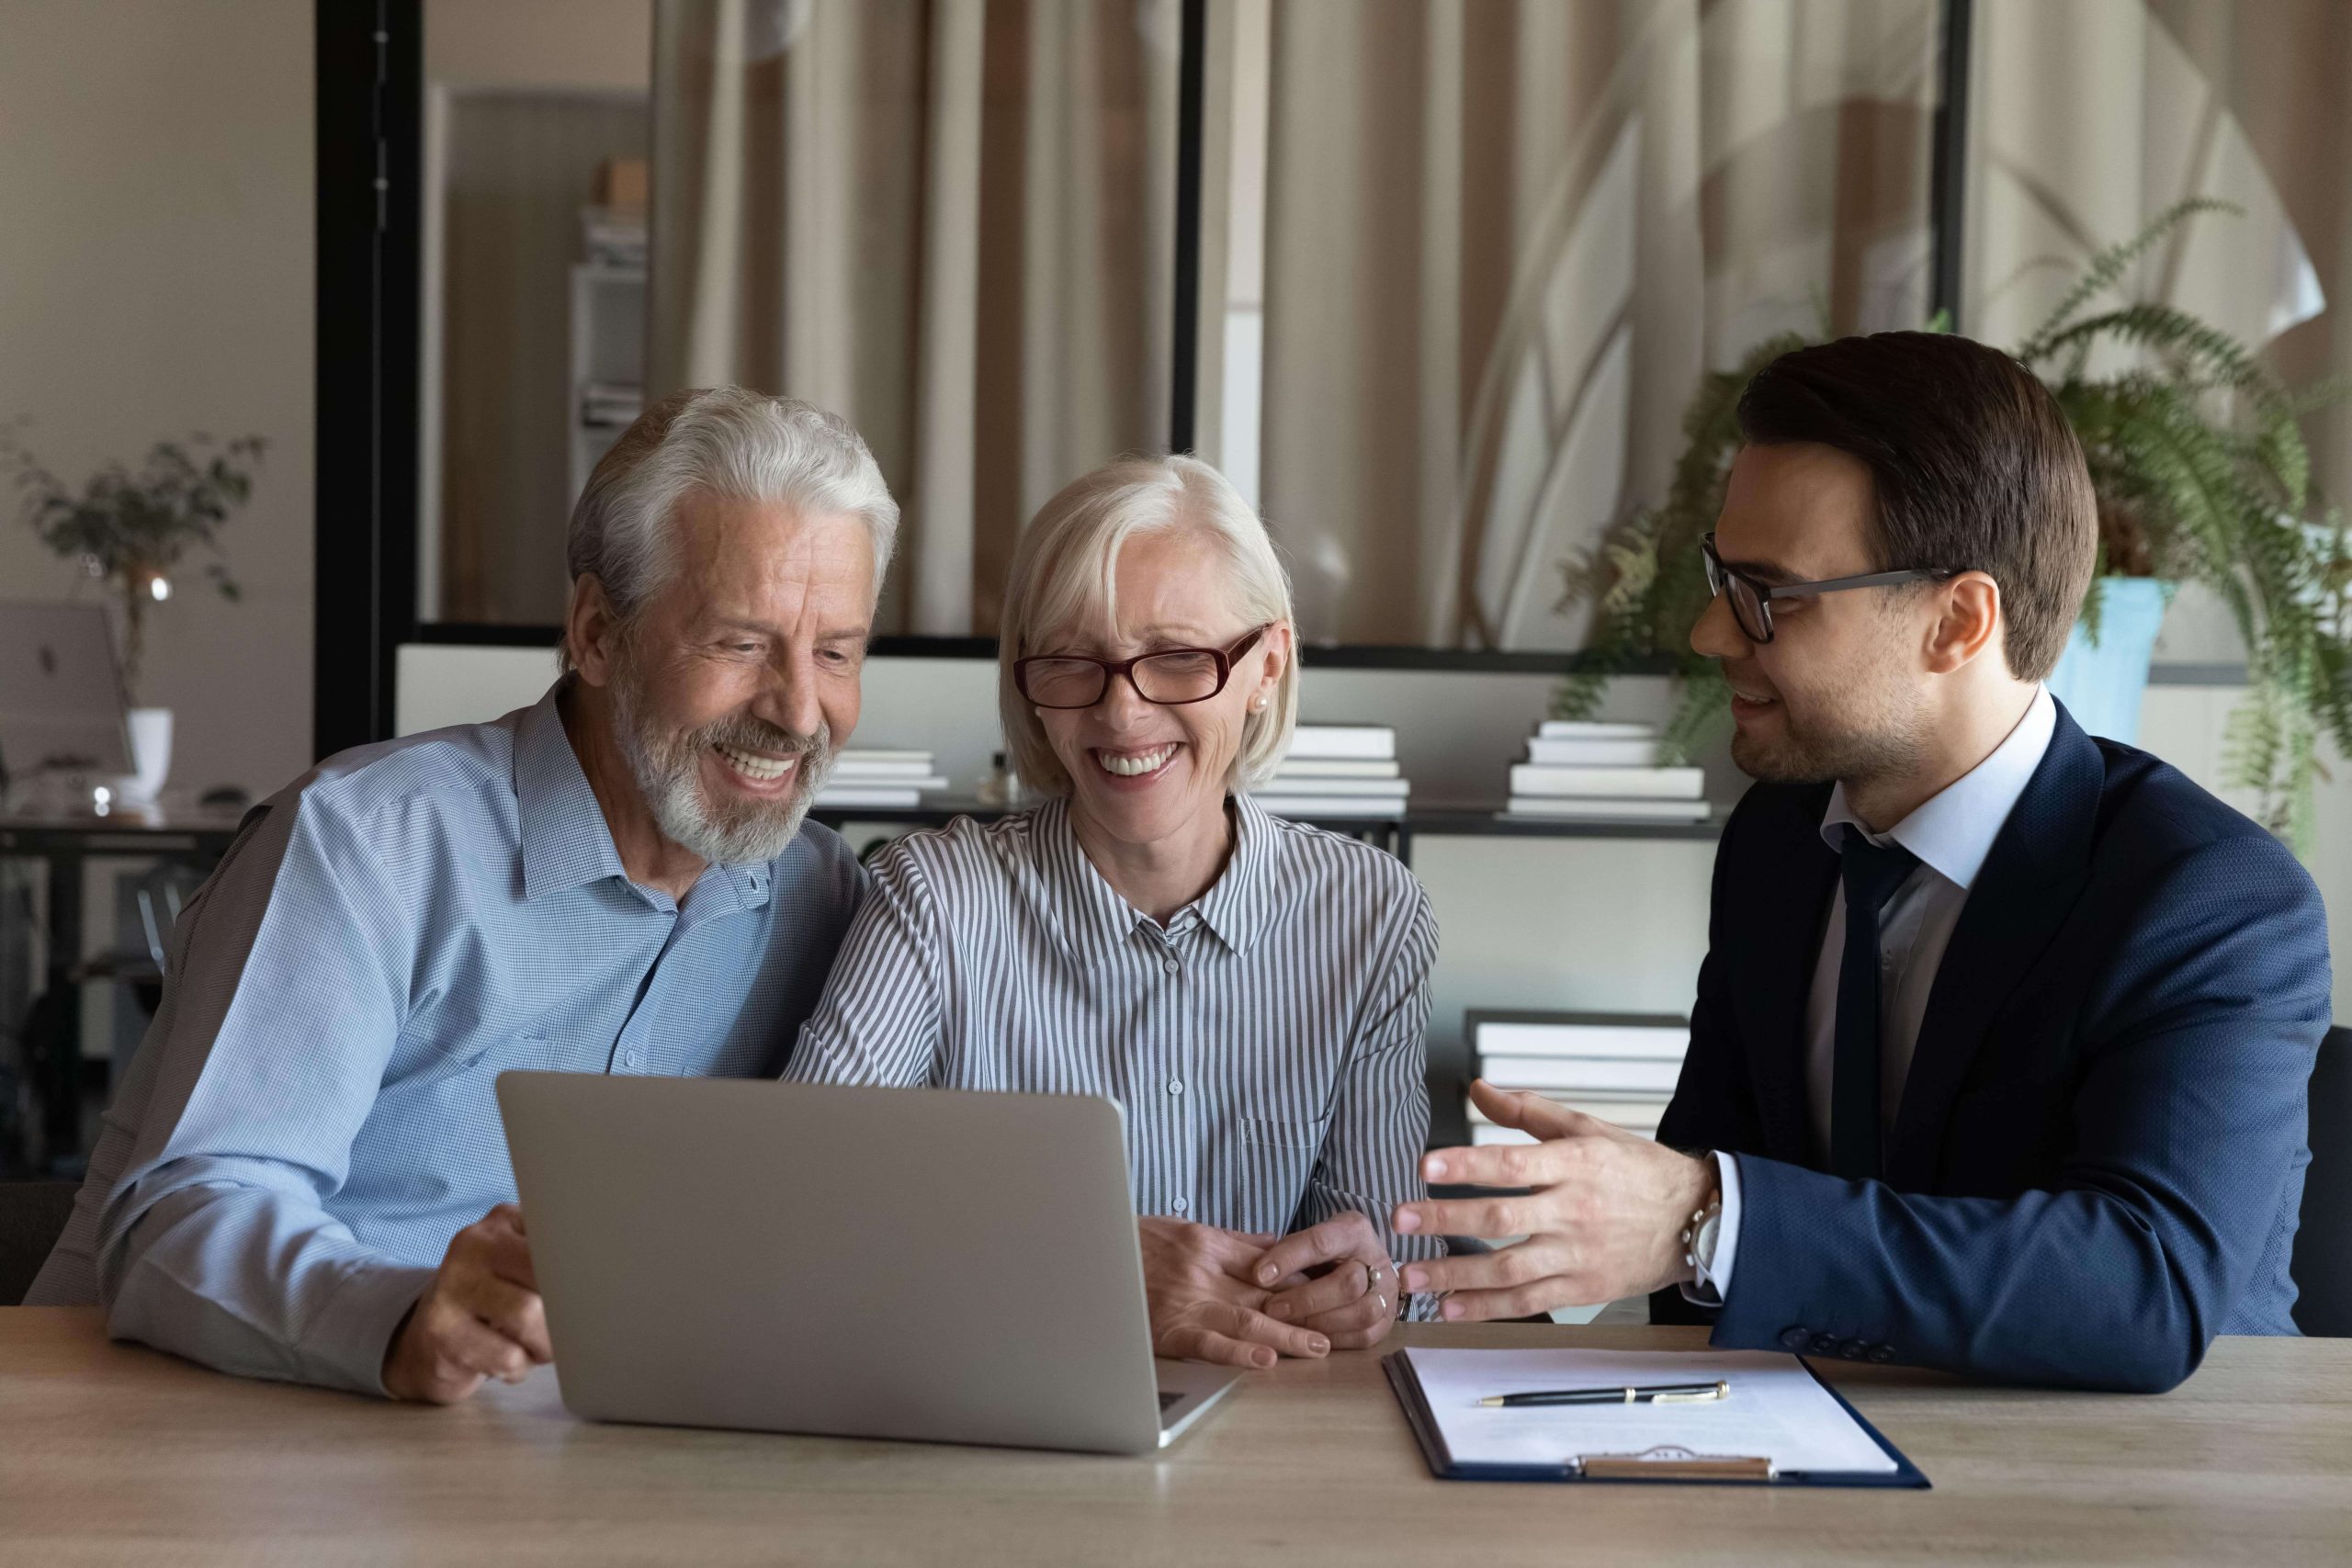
(868,795)
(1593,753)
(849,767)
(1620,1074)
(1335,768)
(1608,810)
(1386,789)
(1375,742)
(883,754)
(1330,805)
(1594,730)
(1640,1114)
(1616,783)
(1656,1037)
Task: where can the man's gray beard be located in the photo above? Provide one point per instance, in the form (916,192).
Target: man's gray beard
(667,765)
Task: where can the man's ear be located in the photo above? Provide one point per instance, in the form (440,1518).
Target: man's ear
(1968,624)
(589,626)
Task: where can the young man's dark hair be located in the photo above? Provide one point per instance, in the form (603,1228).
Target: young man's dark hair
(1975,467)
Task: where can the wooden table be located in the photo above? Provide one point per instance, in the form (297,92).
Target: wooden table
(110,1453)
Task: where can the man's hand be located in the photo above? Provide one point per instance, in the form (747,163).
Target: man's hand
(481,1317)
(1605,1219)
(1335,1277)
(1203,1306)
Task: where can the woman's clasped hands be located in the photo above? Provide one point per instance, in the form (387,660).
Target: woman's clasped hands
(1244,1299)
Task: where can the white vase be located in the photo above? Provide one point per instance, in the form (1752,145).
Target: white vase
(151,753)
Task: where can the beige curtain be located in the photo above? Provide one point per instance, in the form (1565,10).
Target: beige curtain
(950,221)
(1503,239)
(2092,116)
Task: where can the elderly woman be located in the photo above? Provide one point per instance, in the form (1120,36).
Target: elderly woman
(1253,990)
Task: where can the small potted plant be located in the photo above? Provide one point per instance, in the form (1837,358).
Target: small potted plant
(2201,472)
(131,530)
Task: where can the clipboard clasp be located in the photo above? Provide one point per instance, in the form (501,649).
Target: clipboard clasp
(1668,1461)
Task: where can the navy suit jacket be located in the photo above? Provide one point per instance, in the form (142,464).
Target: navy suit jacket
(2098,1155)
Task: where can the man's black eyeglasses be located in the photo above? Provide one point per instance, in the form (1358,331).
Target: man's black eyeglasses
(1171,677)
(1751,600)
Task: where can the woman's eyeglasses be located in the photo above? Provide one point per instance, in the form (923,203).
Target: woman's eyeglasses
(1171,677)
(1751,601)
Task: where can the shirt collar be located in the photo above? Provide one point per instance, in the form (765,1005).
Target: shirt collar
(567,844)
(1096,922)
(566,841)
(1234,908)
(1952,830)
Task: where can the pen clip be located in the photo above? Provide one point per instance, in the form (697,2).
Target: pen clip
(1705,1396)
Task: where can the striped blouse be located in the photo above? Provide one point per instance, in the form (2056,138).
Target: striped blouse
(1267,1043)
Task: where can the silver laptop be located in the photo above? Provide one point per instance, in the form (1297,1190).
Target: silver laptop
(61,695)
(923,1264)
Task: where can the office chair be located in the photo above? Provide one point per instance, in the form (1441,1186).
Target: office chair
(2323,1265)
(32,1216)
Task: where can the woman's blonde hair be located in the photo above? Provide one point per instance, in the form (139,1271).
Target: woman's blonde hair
(1065,574)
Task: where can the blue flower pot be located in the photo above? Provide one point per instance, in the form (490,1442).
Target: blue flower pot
(2101,683)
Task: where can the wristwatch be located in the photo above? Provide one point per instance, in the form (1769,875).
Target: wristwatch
(1699,1239)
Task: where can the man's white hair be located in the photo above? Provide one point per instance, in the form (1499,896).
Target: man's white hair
(1065,578)
(726,441)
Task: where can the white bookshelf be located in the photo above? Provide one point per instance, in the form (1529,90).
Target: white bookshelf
(607,356)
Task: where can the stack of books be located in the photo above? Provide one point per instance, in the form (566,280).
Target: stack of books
(615,404)
(1338,769)
(1621,1068)
(613,236)
(880,779)
(1576,768)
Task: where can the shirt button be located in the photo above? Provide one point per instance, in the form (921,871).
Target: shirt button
(634,1059)
(1180,1205)
(1171,966)
(1175,1085)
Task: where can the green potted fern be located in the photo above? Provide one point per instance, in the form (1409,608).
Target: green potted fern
(2202,475)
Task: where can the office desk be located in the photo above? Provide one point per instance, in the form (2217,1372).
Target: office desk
(109,1453)
(67,843)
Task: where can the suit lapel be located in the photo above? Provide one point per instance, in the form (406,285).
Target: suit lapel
(2024,893)
(1788,887)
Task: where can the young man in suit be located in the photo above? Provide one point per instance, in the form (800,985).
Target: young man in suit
(1999,1054)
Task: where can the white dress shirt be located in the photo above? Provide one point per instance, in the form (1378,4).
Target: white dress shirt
(1951,832)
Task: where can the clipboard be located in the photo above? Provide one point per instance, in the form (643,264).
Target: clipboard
(1651,1466)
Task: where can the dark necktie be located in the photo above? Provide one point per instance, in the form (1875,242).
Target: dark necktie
(1870,874)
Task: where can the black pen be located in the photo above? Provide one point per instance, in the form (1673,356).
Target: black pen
(1662,1393)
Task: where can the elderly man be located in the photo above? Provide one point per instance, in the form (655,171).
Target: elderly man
(304,1175)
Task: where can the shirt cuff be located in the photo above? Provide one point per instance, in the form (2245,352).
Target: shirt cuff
(347,1345)
(1714,1285)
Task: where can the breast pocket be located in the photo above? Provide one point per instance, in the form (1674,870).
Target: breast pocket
(1277,1157)
(468,1071)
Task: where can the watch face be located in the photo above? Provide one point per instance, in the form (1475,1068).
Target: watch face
(1703,1247)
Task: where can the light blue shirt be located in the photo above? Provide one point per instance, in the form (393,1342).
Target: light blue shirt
(312,1115)
(1951,832)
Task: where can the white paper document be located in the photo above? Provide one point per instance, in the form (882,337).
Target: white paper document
(1776,1411)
